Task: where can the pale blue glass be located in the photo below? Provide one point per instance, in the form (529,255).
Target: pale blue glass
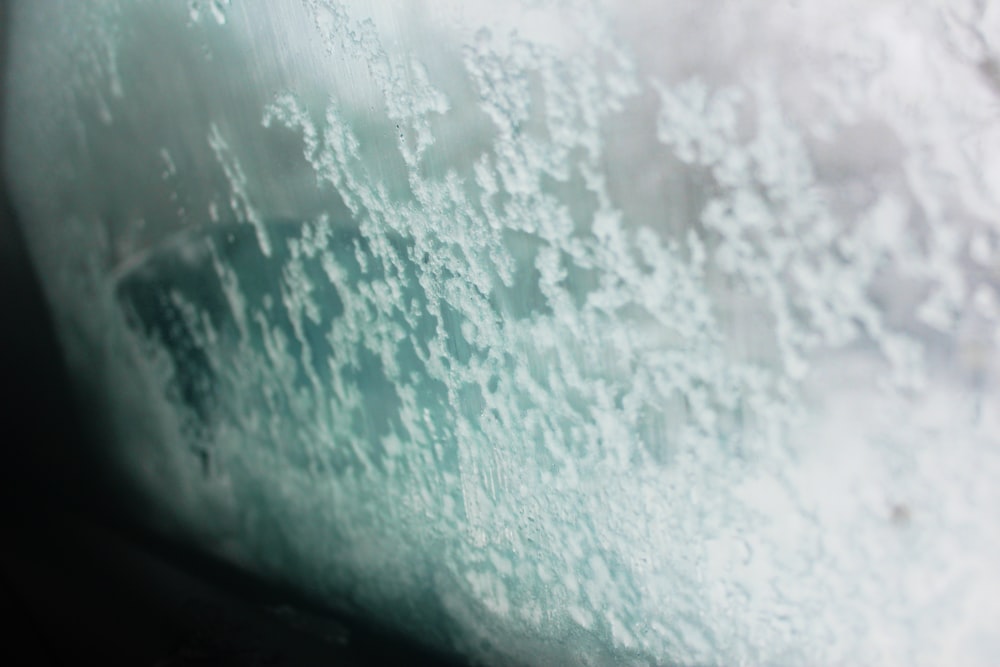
(549,332)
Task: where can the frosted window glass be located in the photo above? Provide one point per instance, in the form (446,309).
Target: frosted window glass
(552,331)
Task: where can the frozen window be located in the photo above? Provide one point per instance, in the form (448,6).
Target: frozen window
(551,331)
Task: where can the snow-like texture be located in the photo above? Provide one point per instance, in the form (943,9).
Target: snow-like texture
(554,332)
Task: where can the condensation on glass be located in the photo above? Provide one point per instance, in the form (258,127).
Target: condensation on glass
(551,332)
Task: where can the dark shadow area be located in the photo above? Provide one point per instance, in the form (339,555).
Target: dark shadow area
(81,584)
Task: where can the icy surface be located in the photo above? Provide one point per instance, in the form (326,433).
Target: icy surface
(555,332)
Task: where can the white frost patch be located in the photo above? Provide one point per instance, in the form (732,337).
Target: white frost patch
(617,343)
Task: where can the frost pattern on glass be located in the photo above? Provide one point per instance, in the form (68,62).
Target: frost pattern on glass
(554,334)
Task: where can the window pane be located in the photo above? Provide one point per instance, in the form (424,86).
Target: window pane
(558,332)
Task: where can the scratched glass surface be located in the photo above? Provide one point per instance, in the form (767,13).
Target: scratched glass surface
(548,331)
